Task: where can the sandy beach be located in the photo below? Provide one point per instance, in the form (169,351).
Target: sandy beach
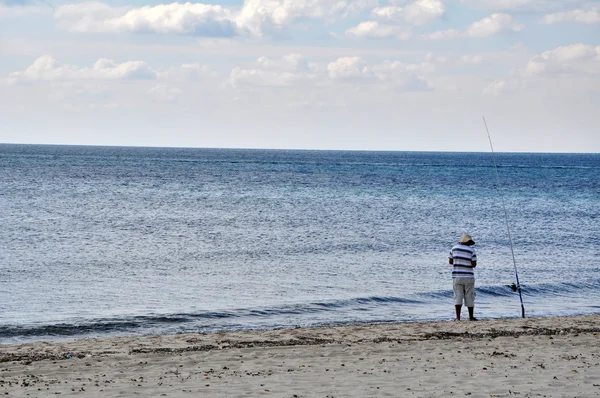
(534,357)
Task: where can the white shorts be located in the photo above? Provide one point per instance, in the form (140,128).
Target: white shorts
(464,290)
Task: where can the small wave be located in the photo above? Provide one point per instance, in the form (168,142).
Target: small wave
(538,290)
(316,312)
(542,289)
(105,326)
(496,291)
(563,288)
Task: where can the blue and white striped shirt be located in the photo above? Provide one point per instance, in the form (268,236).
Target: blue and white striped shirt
(462,256)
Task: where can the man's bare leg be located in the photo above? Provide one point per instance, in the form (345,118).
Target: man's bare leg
(458,308)
(471,310)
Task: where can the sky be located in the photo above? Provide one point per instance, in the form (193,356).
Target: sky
(399,75)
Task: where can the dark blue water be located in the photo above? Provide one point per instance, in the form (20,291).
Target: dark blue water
(101,241)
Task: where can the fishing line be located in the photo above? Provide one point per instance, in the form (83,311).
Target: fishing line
(516,287)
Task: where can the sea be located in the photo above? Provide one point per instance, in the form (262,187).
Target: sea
(133,241)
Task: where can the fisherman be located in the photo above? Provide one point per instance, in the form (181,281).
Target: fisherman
(464,260)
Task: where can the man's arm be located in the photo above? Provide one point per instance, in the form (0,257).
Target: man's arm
(473,263)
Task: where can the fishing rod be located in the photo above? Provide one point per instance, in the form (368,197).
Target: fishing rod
(516,287)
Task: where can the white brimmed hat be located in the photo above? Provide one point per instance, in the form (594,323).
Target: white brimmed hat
(466,238)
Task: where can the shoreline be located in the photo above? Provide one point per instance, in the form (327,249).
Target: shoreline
(360,333)
(361,360)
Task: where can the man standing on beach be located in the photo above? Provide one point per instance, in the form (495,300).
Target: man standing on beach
(464,260)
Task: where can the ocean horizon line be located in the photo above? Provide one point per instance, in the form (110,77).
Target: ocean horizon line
(274,149)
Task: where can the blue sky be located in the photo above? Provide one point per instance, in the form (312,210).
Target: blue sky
(310,74)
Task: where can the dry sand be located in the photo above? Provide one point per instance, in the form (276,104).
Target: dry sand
(535,357)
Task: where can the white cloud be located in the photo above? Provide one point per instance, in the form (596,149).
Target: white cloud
(591,16)
(416,83)
(263,17)
(176,18)
(373,29)
(280,12)
(186,72)
(486,27)
(436,59)
(388,68)
(391,74)
(576,59)
(349,68)
(442,35)
(407,77)
(289,70)
(418,13)
(255,17)
(455,61)
(493,25)
(496,88)
(293,70)
(48,68)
